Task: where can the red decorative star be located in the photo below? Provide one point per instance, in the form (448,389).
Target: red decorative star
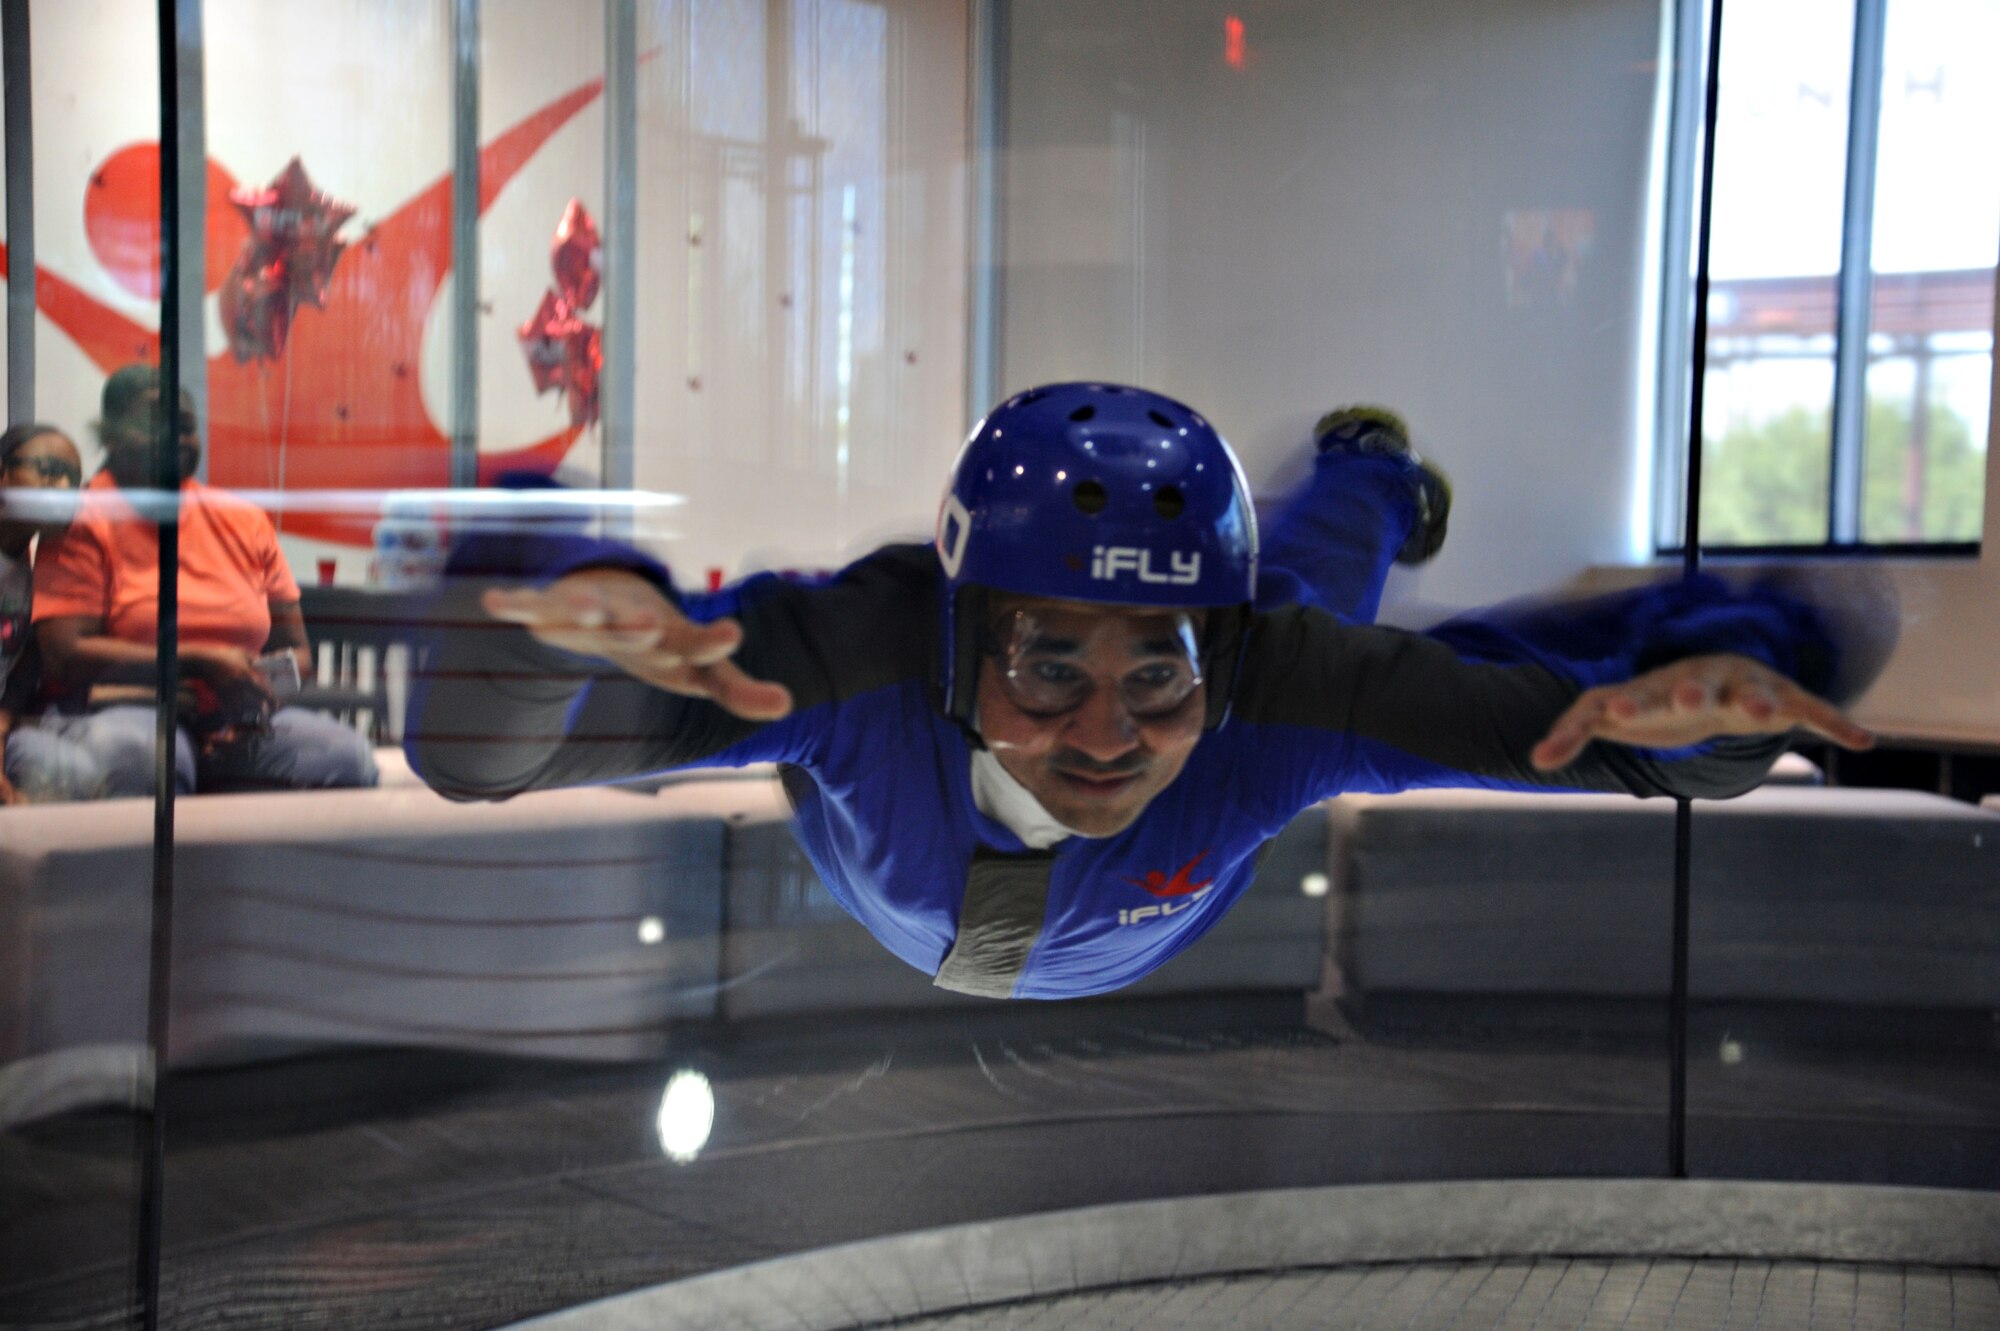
(287,260)
(566,354)
(577,257)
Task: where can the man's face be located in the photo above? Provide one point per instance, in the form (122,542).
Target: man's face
(129,440)
(1093,708)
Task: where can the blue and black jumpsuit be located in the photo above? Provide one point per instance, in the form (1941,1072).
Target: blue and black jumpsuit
(1324,703)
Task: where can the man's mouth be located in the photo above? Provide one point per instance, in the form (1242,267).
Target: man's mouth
(1096,784)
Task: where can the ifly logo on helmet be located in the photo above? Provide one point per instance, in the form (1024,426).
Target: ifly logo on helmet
(1108,562)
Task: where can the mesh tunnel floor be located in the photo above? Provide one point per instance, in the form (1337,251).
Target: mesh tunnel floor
(1543,1294)
(1497,1255)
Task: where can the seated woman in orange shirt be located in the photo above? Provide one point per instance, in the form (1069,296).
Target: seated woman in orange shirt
(96,589)
(37,463)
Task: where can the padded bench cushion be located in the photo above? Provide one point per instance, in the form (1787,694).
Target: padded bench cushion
(1799,894)
(370,916)
(575,923)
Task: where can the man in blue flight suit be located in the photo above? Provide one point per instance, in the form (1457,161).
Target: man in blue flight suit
(1038,757)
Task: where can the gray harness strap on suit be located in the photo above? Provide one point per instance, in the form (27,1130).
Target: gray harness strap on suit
(1006,901)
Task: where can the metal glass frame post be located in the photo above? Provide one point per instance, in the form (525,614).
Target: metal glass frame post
(1857,274)
(616,470)
(465,186)
(1676,251)
(986,121)
(20,167)
(191,228)
(179,36)
(1691,565)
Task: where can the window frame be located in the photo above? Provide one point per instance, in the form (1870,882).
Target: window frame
(1676,357)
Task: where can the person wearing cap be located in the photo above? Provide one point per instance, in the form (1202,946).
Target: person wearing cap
(96,608)
(1038,757)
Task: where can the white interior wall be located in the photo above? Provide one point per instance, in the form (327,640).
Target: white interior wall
(1325,225)
(83,111)
(802,282)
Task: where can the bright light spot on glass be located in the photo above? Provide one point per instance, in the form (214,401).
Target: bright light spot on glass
(1731,1052)
(652,930)
(1062,475)
(1314,884)
(1020,470)
(687,1115)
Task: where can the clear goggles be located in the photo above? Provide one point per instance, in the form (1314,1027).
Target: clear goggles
(1050,663)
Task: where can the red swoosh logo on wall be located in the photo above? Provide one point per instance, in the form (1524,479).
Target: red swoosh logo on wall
(352,414)
(1177,886)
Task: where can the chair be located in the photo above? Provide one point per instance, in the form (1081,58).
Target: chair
(361,650)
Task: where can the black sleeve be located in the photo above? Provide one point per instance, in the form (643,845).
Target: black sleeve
(1392,710)
(494,712)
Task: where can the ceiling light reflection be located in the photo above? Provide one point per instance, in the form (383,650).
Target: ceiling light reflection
(686,1117)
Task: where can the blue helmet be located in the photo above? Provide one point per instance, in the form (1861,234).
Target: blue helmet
(1101,493)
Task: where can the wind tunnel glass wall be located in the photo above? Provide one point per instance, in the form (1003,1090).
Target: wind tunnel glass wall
(76,1073)
(510,1019)
(1842,920)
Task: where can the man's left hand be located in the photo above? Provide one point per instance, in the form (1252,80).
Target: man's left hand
(1690,701)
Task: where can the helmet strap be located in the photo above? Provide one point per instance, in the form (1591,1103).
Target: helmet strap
(964,620)
(1226,638)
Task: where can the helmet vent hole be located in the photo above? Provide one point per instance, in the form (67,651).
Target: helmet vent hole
(1168,503)
(1090,496)
(1083,413)
(1159,418)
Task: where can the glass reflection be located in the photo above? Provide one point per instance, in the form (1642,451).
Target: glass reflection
(1780,170)
(1936,234)
(416,1025)
(686,1117)
(76,1072)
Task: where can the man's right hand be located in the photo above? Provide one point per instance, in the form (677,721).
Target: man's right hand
(623,618)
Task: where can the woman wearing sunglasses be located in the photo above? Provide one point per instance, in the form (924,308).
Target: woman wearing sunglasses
(40,472)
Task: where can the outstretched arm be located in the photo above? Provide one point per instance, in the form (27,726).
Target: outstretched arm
(1691,701)
(1379,709)
(625,619)
(566,662)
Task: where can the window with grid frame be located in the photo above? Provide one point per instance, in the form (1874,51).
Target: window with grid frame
(1855,231)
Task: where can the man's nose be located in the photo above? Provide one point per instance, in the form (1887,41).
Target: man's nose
(1101,728)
